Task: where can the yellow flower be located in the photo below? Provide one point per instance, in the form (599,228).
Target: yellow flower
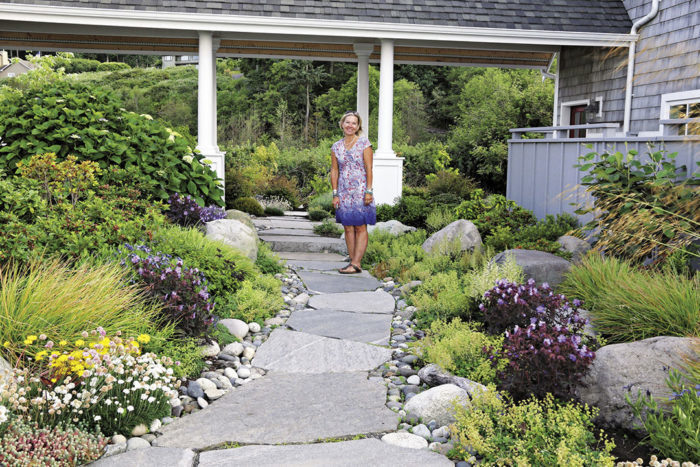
(63,343)
(40,356)
(80,343)
(30,340)
(144,338)
(6,344)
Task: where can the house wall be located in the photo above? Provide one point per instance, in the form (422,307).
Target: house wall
(16,68)
(667,60)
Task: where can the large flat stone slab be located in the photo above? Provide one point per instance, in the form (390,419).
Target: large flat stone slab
(287,408)
(306,256)
(360,327)
(315,244)
(299,352)
(286,231)
(152,457)
(361,452)
(357,302)
(279,223)
(325,266)
(336,283)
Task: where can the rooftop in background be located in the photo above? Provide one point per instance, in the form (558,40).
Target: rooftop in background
(603,16)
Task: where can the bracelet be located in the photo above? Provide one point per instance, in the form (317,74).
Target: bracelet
(335,192)
(369,192)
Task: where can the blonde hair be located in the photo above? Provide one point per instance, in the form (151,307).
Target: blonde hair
(352,113)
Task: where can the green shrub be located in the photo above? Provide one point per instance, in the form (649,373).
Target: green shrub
(323,201)
(112,66)
(494,211)
(255,301)
(628,304)
(450,182)
(21,197)
(318,214)
(672,431)
(421,160)
(283,187)
(393,256)
(76,65)
(67,118)
(439,218)
(273,211)
(385,212)
(237,186)
(249,205)
(411,210)
(458,348)
(328,228)
(48,297)
(531,432)
(185,352)
(267,261)
(223,336)
(442,296)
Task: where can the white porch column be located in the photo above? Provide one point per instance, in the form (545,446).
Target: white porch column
(363,52)
(206,104)
(388,169)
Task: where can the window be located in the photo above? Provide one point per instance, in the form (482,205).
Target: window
(681,106)
(577,117)
(10,75)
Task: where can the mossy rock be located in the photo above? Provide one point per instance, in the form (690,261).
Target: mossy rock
(241,216)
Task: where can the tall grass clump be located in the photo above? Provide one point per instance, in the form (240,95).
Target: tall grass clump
(629,304)
(49,297)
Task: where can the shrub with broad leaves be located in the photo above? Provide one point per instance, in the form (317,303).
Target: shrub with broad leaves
(185,211)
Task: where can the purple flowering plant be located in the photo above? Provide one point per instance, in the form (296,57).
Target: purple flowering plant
(181,291)
(542,358)
(509,304)
(185,211)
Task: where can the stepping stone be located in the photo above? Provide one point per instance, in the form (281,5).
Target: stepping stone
(357,302)
(299,352)
(304,256)
(337,283)
(156,457)
(343,454)
(286,231)
(281,223)
(326,266)
(309,243)
(360,327)
(286,408)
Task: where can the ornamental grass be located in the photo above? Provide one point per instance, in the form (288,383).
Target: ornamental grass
(628,304)
(51,298)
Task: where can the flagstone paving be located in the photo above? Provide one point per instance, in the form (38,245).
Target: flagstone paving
(317,389)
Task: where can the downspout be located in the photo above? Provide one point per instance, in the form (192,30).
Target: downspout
(630,65)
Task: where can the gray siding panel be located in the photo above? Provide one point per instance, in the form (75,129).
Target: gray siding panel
(668,60)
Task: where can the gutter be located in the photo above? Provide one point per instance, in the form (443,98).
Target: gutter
(629,87)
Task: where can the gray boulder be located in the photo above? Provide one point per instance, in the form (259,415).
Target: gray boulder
(5,370)
(241,216)
(461,232)
(433,375)
(236,234)
(577,247)
(438,403)
(394,227)
(235,326)
(621,369)
(538,265)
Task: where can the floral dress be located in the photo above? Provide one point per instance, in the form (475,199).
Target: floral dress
(352,182)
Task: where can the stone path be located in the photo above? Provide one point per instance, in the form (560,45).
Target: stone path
(317,391)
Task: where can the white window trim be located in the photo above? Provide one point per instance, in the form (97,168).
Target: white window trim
(675,98)
(565,113)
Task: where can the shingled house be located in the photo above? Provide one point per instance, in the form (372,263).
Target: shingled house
(506,33)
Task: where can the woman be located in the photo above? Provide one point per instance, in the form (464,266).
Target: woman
(351,178)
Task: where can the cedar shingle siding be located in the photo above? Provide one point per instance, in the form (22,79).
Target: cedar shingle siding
(668,60)
(555,15)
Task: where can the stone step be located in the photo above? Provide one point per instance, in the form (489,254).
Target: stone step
(359,327)
(309,244)
(300,256)
(333,282)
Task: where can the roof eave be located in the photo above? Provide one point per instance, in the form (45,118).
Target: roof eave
(304,26)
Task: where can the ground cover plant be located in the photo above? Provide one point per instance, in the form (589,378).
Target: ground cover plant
(628,304)
(328,228)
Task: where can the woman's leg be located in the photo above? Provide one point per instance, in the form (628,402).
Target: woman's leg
(350,240)
(361,239)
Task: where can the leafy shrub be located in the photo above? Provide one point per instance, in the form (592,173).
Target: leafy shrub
(422,159)
(385,212)
(223,266)
(20,198)
(618,294)
(283,187)
(267,261)
(328,228)
(458,348)
(183,351)
(273,211)
(439,218)
(249,205)
(62,446)
(411,210)
(237,186)
(112,66)
(494,211)
(318,214)
(640,210)
(543,358)
(392,255)
(76,65)
(532,432)
(256,300)
(450,181)
(180,290)
(323,201)
(48,297)
(60,180)
(185,211)
(510,304)
(673,433)
(540,236)
(63,117)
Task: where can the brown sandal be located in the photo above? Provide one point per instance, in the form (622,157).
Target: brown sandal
(350,269)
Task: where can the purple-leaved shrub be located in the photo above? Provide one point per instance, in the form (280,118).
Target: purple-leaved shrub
(543,358)
(509,304)
(185,211)
(181,290)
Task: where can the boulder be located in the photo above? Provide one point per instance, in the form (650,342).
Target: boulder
(437,403)
(209,350)
(621,369)
(433,375)
(574,245)
(538,265)
(235,326)
(240,216)
(460,232)
(5,370)
(406,288)
(236,234)
(394,227)
(405,440)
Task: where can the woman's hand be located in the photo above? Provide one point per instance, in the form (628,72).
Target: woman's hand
(336,202)
(368,198)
